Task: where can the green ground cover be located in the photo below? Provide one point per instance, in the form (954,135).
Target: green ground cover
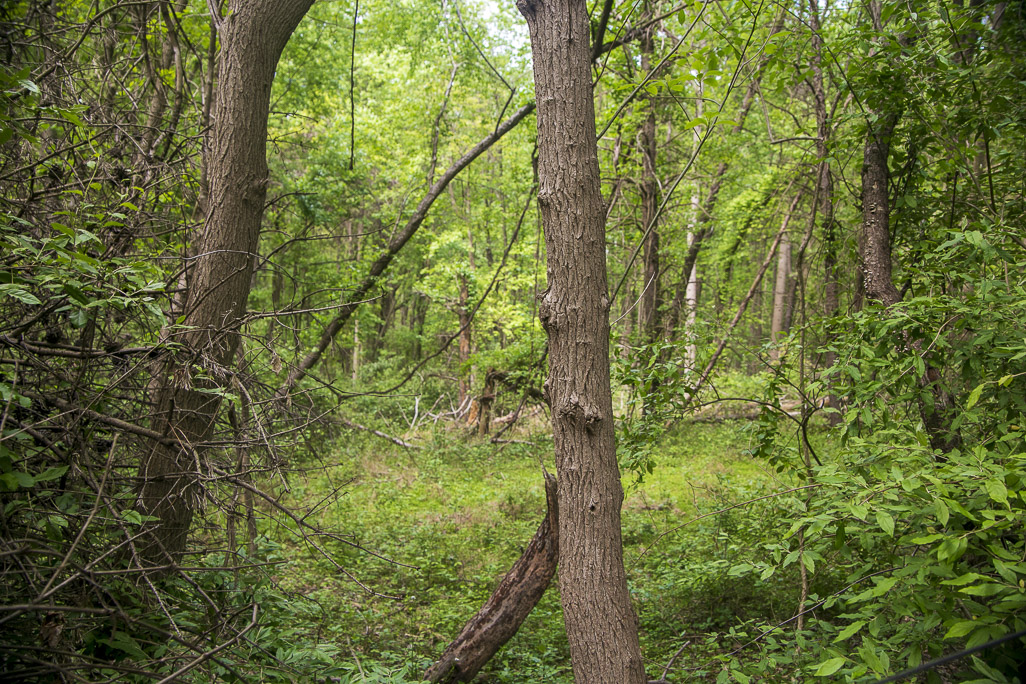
(452,518)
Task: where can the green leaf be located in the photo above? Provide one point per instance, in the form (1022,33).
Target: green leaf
(960,629)
(871,658)
(16,292)
(974,396)
(1006,570)
(886,522)
(884,586)
(850,630)
(988,589)
(941,511)
(123,642)
(51,474)
(997,490)
(952,549)
(964,579)
(131,516)
(828,667)
(75,293)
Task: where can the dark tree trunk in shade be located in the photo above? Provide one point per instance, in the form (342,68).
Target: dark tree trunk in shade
(878,280)
(252,35)
(600,622)
(648,307)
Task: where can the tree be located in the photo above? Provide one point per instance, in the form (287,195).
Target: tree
(875,254)
(194,378)
(574,310)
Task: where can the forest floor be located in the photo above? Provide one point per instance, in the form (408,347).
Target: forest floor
(451,518)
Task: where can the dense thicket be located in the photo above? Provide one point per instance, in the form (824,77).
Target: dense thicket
(814,219)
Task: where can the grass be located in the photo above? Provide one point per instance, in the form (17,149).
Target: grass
(452,518)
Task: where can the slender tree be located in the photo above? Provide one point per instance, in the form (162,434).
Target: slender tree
(574,309)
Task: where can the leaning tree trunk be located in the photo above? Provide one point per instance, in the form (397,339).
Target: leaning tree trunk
(508,606)
(600,622)
(252,36)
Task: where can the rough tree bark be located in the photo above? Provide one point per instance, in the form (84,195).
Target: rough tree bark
(252,36)
(875,257)
(574,309)
(878,280)
(508,606)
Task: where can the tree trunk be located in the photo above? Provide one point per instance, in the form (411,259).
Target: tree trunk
(875,239)
(648,307)
(508,606)
(781,295)
(691,289)
(463,313)
(878,280)
(253,35)
(574,309)
(825,192)
(485,401)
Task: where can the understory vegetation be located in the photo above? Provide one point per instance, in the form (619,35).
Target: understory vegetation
(299,302)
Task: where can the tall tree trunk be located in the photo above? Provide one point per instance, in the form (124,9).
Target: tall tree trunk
(648,307)
(875,257)
(601,626)
(878,280)
(691,289)
(463,313)
(825,192)
(253,34)
(781,295)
